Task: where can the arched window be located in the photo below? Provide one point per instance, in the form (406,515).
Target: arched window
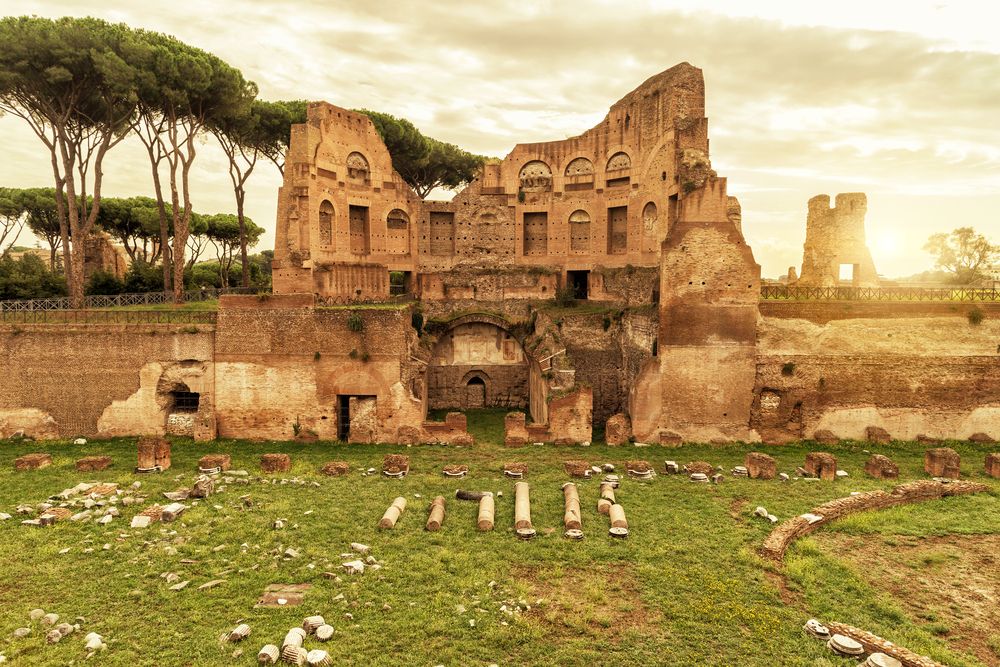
(579,232)
(619,161)
(326,223)
(536,176)
(397,219)
(649,217)
(580,166)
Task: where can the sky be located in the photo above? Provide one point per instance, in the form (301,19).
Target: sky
(803,98)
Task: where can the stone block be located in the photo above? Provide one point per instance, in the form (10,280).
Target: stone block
(457,421)
(993,465)
(35,461)
(881,467)
(395,464)
(212,461)
(942,462)
(462,439)
(703,467)
(877,434)
(275,462)
(335,468)
(617,429)
(760,466)
(826,437)
(93,463)
(515,431)
(821,465)
(577,468)
(153,452)
(981,437)
(928,440)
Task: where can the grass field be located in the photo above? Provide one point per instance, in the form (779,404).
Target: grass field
(686,588)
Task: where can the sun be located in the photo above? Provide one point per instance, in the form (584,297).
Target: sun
(885,243)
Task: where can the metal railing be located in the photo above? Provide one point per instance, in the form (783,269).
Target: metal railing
(330,301)
(107,317)
(896,294)
(122,300)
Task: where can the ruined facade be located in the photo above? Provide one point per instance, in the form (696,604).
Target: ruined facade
(629,217)
(835,251)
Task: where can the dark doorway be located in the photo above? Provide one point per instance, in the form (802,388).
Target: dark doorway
(343,418)
(578,280)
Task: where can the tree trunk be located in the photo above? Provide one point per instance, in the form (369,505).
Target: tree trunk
(240,195)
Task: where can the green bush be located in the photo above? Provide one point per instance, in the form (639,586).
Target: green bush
(104,282)
(565,296)
(29,277)
(354,322)
(788,368)
(976,316)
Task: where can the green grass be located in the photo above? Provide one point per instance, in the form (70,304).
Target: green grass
(686,588)
(209,305)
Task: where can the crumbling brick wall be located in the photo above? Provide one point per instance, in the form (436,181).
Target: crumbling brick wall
(836,236)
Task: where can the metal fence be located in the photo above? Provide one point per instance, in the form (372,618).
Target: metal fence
(330,301)
(896,294)
(123,300)
(107,317)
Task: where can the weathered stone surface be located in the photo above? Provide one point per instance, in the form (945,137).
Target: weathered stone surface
(942,462)
(275,463)
(35,461)
(670,439)
(993,465)
(617,429)
(515,432)
(703,467)
(335,468)
(881,467)
(877,434)
(981,437)
(93,463)
(215,461)
(760,466)
(395,464)
(576,468)
(821,465)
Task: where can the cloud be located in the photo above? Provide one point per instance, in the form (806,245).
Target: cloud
(797,106)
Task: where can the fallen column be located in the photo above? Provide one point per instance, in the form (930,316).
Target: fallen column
(619,525)
(471,495)
(392,514)
(436,517)
(571,517)
(522,512)
(486,511)
(607,498)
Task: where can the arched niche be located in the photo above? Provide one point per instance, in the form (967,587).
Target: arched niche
(326,223)
(357,168)
(579,232)
(535,176)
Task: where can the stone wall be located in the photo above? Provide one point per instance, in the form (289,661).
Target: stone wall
(102,380)
(933,376)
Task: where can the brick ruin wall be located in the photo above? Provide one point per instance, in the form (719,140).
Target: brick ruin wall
(935,375)
(102,380)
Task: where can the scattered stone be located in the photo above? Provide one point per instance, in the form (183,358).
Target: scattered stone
(881,467)
(21,633)
(335,468)
(699,477)
(93,463)
(80,441)
(983,438)
(671,467)
(294,655)
(761,512)
(53,636)
(35,461)
(639,469)
(283,595)
(239,633)
(395,465)
(608,467)
(842,474)
(355,567)
(821,465)
(324,632)
(275,463)
(576,468)
(291,553)
(269,654)
(455,470)
(702,467)
(515,469)
(717,478)
(740,471)
(760,465)
(172,512)
(318,658)
(927,440)
(816,629)
(211,584)
(842,645)
(942,462)
(877,434)
(36,614)
(881,660)
(4,516)
(215,463)
(141,521)
(203,487)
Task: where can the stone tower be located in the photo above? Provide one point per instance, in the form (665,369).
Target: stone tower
(835,237)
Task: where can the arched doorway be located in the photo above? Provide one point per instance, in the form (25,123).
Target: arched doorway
(477,364)
(475,392)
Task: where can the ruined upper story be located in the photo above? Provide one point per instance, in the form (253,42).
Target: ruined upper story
(604,199)
(835,250)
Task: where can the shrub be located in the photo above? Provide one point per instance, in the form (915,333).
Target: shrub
(417,321)
(565,296)
(354,322)
(606,323)
(976,316)
(353,354)
(104,282)
(788,368)
(365,357)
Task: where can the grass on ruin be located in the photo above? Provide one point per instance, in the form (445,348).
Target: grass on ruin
(209,305)
(686,588)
